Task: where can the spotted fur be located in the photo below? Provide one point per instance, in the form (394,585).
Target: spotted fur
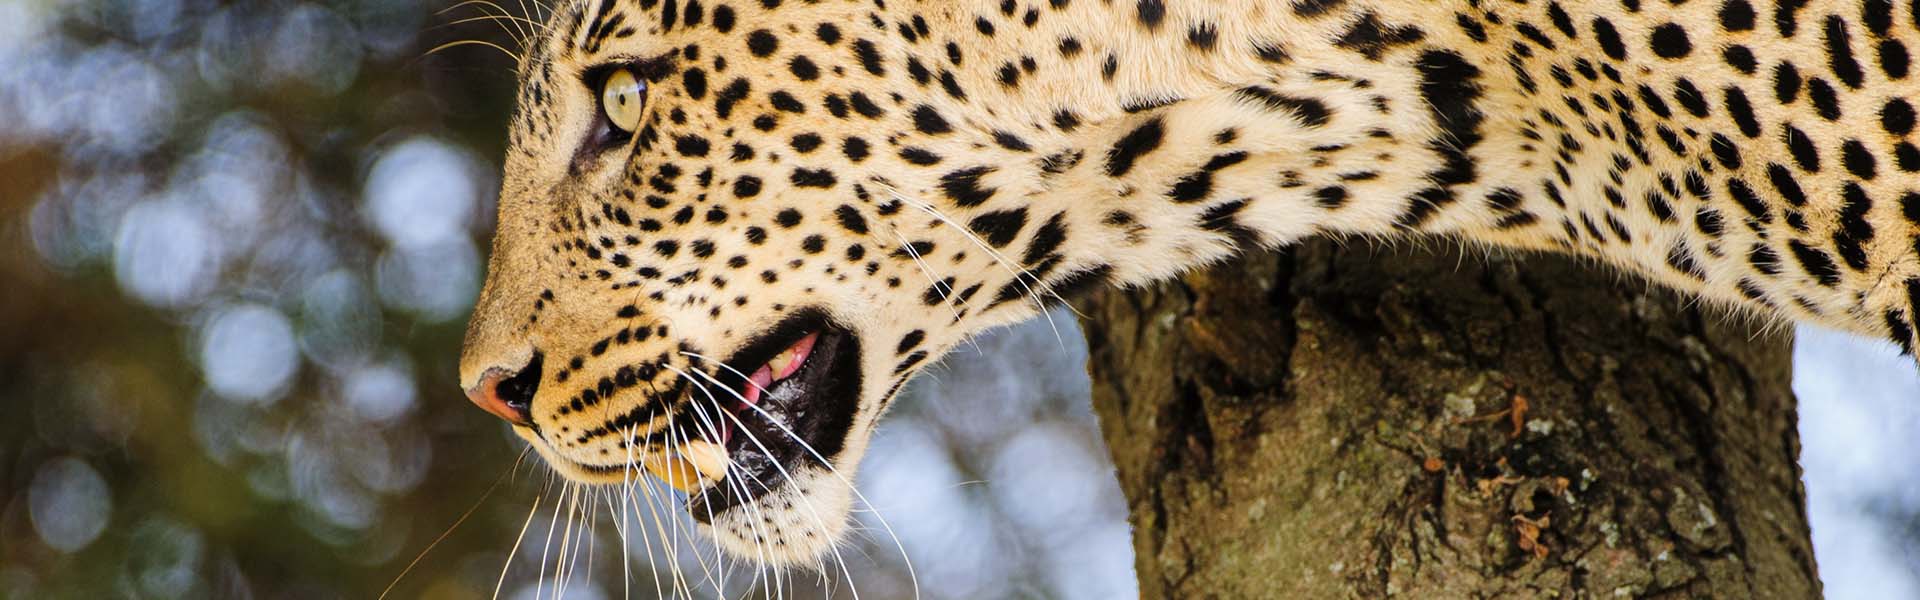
(922,170)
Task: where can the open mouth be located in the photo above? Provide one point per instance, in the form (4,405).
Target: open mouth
(791,410)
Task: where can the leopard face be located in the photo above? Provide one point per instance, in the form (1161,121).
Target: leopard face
(715,261)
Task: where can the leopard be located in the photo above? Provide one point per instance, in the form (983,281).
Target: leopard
(730,231)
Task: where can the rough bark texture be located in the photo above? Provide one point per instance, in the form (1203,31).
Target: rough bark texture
(1341,423)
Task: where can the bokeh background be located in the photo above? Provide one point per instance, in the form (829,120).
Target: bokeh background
(238,241)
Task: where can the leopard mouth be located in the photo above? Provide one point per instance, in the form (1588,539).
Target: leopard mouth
(792,410)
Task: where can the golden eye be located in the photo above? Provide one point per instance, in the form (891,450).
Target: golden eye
(620,98)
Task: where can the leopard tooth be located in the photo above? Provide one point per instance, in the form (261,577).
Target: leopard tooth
(780,362)
(708,458)
(674,471)
(696,464)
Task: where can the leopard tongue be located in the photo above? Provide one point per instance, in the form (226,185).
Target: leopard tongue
(757,384)
(698,462)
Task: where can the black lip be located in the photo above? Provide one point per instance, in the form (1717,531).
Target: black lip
(817,403)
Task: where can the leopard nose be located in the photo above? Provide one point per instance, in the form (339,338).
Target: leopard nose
(507,393)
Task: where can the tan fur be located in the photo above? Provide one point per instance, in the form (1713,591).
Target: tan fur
(1298,118)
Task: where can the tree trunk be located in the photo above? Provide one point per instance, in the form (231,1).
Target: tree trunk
(1351,422)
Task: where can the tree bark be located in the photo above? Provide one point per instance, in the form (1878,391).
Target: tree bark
(1352,422)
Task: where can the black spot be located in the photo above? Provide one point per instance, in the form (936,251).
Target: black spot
(938,292)
(1221,218)
(812,178)
(695,82)
(1330,197)
(982,25)
(1894,59)
(1784,182)
(1690,97)
(1311,113)
(1784,18)
(691,145)
(1059,162)
(1069,47)
(747,186)
(1670,41)
(1131,147)
(762,42)
(1840,53)
(1854,229)
(1045,241)
(1724,150)
(850,219)
(803,68)
(1897,117)
(1010,141)
(1901,332)
(910,341)
(1191,187)
(1745,196)
(1764,259)
(1609,39)
(963,186)
(1858,159)
(1825,101)
(1315,8)
(1742,112)
(919,156)
(1681,258)
(1450,86)
(1504,199)
(869,57)
(1372,39)
(785,102)
(1741,59)
(855,149)
(1736,15)
(1801,146)
(1786,83)
(1001,227)
(827,33)
(1561,20)
(1816,263)
(929,121)
(865,106)
(1065,120)
(728,96)
(805,142)
(1203,36)
(1654,103)
(1151,12)
(1471,27)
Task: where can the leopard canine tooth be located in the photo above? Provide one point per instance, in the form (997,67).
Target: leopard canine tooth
(696,463)
(708,458)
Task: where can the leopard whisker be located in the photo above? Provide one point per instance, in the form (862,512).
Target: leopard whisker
(898,545)
(1021,277)
(807,503)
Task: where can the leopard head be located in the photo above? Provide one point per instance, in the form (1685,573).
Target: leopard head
(728,233)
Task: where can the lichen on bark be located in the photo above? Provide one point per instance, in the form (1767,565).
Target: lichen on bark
(1351,421)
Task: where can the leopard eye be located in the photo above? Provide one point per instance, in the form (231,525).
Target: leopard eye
(621,96)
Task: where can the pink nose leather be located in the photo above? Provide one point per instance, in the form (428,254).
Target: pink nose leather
(486,395)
